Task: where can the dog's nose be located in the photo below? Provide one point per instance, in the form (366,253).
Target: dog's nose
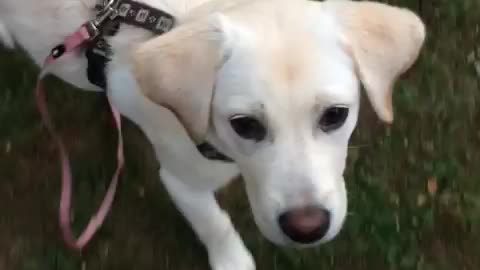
(305,225)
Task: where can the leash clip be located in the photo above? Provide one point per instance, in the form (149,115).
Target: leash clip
(107,11)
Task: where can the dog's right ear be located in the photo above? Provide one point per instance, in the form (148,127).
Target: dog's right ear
(178,70)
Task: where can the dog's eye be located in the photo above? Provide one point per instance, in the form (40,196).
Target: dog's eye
(248,127)
(333,118)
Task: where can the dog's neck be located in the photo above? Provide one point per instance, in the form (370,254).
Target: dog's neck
(128,36)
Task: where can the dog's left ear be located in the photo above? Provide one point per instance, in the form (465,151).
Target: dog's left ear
(384,41)
(178,71)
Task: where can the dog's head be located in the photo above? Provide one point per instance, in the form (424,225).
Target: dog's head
(275,85)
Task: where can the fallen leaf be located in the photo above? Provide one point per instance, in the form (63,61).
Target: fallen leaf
(476,64)
(432,186)
(421,200)
(395,199)
(8,147)
(141,192)
(473,58)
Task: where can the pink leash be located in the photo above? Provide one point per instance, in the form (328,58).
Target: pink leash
(71,44)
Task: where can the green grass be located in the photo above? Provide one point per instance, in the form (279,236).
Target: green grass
(393,223)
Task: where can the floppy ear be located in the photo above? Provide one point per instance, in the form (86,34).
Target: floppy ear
(384,42)
(178,71)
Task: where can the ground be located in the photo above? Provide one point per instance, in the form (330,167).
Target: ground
(414,187)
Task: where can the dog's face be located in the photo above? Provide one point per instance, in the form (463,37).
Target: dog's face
(276,87)
(285,116)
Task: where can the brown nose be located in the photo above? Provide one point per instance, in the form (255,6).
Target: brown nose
(305,225)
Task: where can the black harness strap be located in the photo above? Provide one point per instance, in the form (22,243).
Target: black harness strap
(130,12)
(98,52)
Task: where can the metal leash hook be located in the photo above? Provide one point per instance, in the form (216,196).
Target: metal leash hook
(107,10)
(105,3)
(89,30)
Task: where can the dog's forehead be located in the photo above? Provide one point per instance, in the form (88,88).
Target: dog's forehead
(291,64)
(284,59)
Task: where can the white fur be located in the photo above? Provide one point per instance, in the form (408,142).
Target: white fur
(296,165)
(5,37)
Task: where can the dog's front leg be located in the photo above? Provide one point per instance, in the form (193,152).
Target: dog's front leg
(212,225)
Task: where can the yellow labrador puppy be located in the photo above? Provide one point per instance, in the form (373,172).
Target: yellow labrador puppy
(272,84)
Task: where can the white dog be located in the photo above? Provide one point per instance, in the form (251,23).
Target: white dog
(272,84)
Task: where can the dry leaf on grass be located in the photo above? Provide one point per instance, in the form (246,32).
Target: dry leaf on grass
(432,186)
(421,200)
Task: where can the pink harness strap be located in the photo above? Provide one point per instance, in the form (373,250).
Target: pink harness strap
(70,44)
